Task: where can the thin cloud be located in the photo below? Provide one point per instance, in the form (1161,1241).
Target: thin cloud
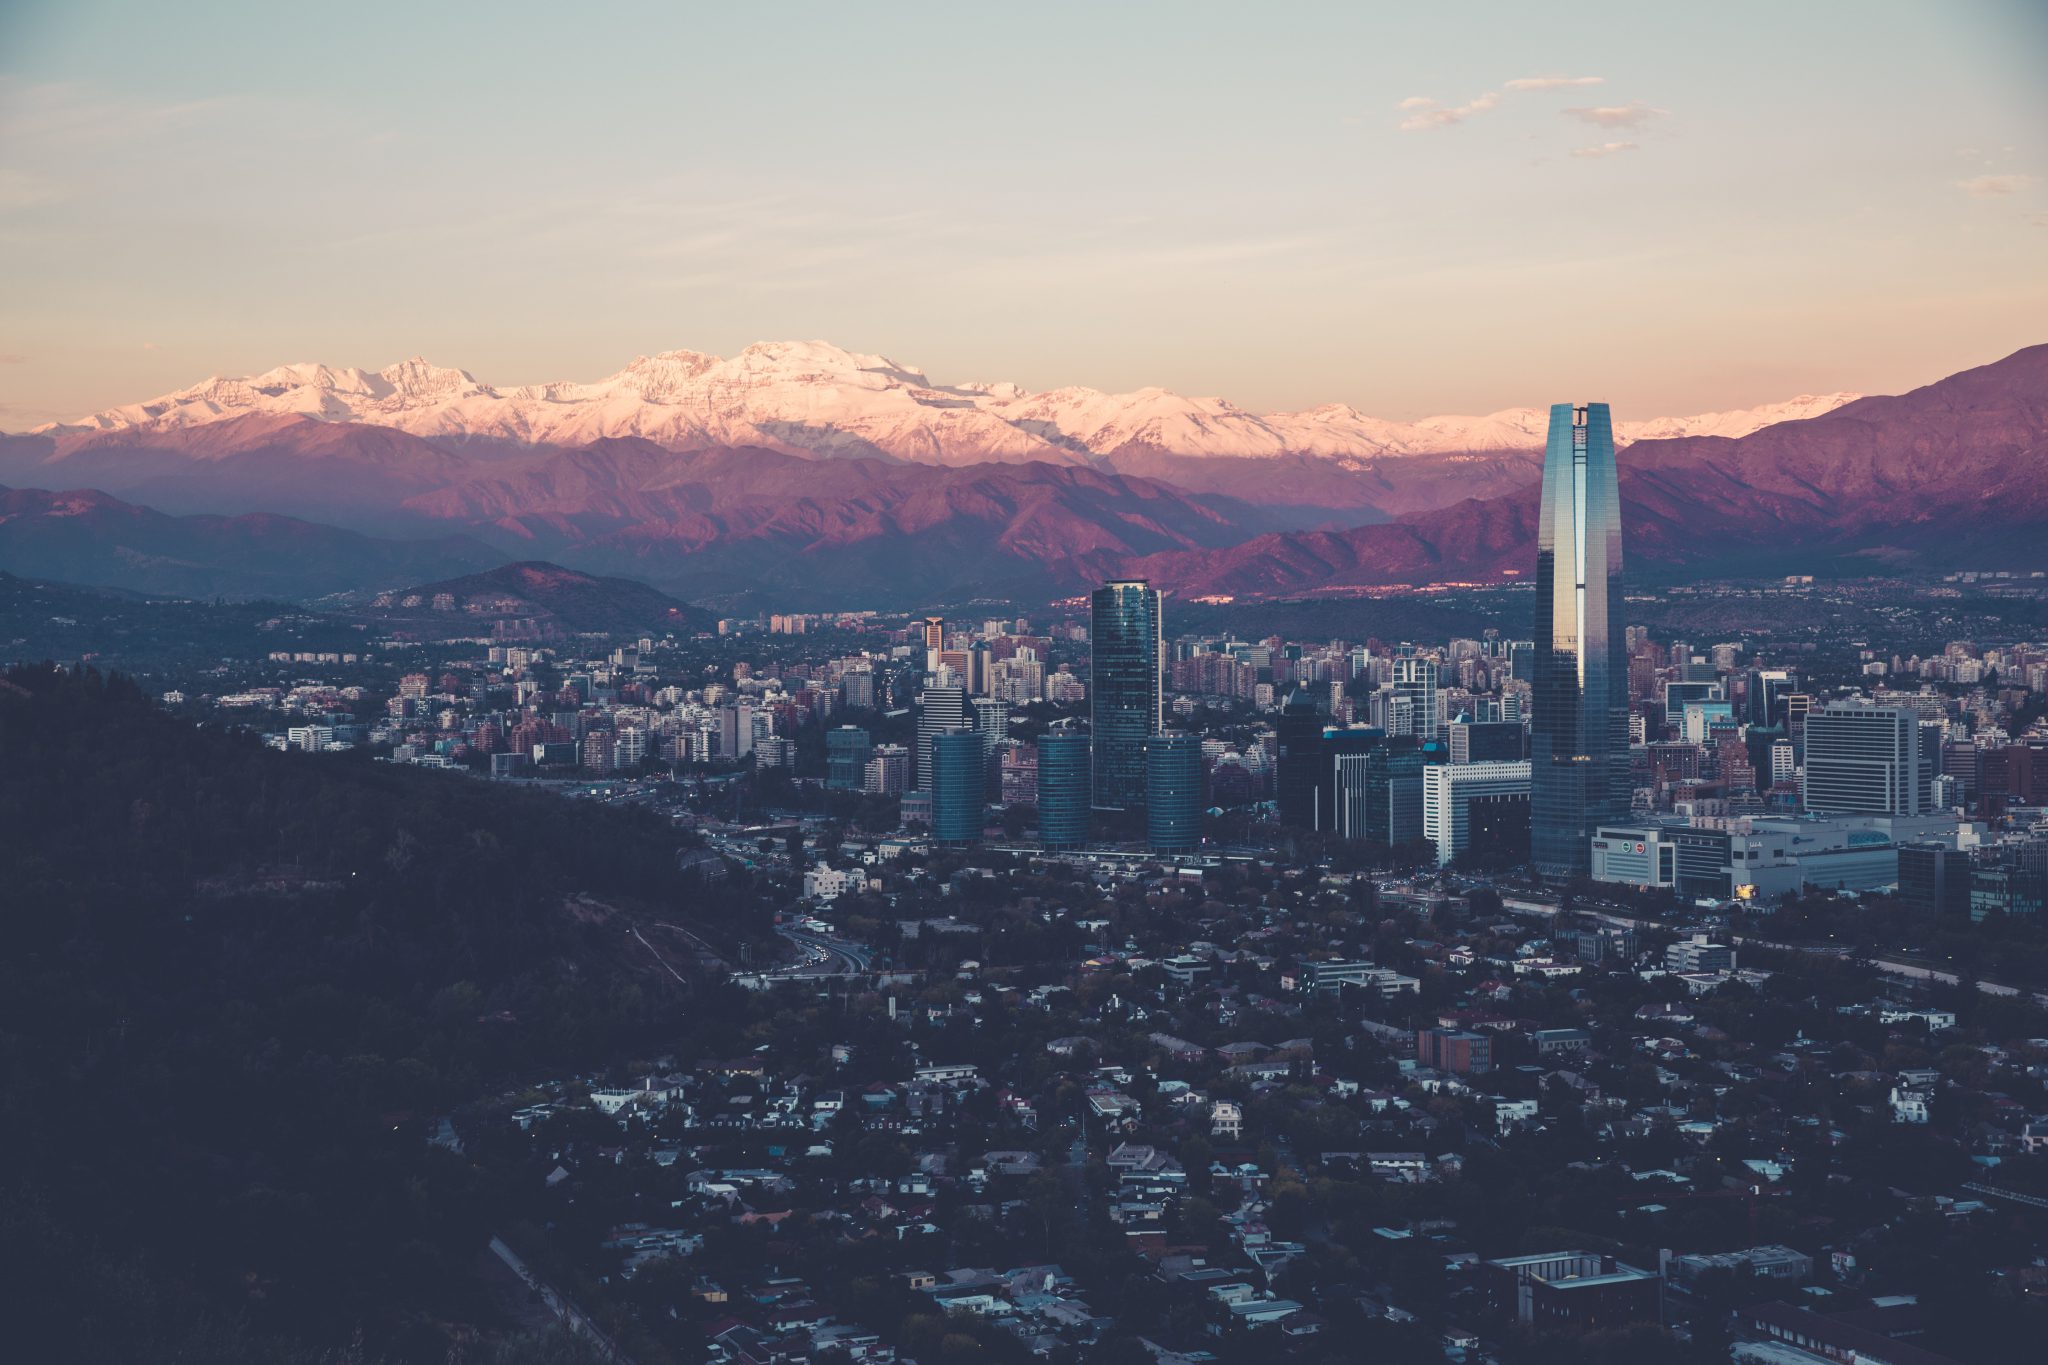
(58,132)
(1634,114)
(10,358)
(1993,186)
(21,189)
(151,346)
(1425,113)
(1605,149)
(68,114)
(1124,258)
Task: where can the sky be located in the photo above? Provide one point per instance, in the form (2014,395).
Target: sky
(1410,208)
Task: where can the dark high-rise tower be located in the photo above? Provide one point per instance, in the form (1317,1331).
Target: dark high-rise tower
(1063,801)
(1173,793)
(1300,732)
(1124,689)
(958,783)
(1578,737)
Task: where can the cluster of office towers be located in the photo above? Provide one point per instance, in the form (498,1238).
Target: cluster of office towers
(1478,782)
(1540,792)
(1125,760)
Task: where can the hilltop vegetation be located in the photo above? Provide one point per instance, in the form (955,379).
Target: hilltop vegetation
(237,985)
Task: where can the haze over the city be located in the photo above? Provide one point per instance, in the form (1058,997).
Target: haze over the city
(1412,211)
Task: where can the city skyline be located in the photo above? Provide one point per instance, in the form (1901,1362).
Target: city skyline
(743,783)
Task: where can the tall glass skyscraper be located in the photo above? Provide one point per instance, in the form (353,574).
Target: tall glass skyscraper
(958,783)
(1578,736)
(1173,793)
(1125,688)
(1063,800)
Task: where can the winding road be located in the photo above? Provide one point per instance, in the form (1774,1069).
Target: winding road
(822,956)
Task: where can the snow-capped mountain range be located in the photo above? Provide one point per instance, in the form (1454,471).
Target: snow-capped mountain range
(814,399)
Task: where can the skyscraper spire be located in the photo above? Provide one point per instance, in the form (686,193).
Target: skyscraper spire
(1579,731)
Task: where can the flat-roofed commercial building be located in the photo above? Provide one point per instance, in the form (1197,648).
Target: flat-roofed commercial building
(1449,791)
(1861,757)
(1571,1291)
(1454,1050)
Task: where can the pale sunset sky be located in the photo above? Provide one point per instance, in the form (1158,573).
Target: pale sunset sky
(1410,208)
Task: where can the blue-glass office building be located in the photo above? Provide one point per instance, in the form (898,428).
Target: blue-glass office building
(846,757)
(1173,793)
(958,786)
(1124,688)
(1063,796)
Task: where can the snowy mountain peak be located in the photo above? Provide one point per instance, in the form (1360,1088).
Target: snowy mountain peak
(1741,423)
(660,378)
(818,400)
(417,379)
(310,375)
(823,360)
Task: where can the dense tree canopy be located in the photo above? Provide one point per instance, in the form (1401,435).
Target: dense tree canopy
(236,984)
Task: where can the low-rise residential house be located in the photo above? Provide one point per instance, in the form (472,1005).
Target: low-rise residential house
(1508,1115)
(1909,1106)
(1404,1168)
(1226,1120)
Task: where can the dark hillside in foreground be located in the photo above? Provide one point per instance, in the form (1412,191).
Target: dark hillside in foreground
(236,984)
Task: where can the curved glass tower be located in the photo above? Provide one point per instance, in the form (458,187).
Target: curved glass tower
(1173,793)
(1063,805)
(1578,734)
(1124,639)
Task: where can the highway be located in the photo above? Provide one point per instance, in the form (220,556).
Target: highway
(1913,971)
(1905,967)
(822,956)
